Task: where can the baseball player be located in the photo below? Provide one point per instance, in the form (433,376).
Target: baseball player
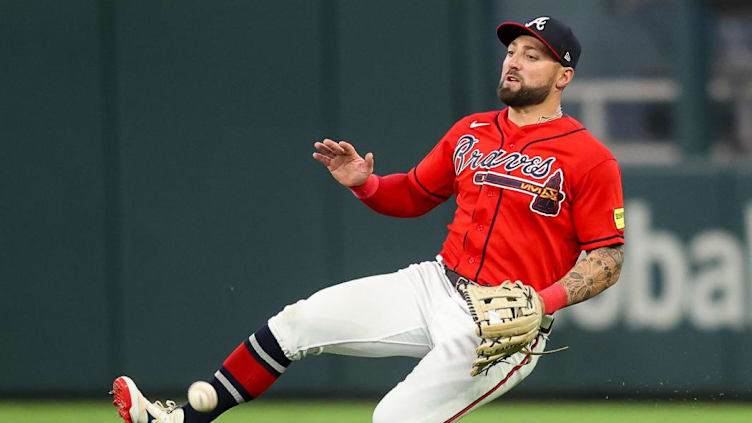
(533,189)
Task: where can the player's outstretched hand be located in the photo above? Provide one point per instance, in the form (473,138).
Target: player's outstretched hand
(343,162)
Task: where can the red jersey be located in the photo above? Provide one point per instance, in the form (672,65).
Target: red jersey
(529,199)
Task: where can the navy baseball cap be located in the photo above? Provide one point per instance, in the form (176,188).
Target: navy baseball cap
(554,34)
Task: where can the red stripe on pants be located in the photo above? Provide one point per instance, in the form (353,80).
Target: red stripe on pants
(500,384)
(249,372)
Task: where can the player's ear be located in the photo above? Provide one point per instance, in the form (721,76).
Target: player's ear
(565,77)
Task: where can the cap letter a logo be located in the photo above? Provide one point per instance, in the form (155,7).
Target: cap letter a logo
(540,23)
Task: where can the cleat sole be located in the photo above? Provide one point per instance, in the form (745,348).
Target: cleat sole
(123,398)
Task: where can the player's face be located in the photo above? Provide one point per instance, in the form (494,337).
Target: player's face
(528,73)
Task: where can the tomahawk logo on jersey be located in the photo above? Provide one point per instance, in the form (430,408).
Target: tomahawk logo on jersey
(537,194)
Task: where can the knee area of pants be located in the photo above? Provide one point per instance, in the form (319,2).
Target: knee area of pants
(288,326)
(293,314)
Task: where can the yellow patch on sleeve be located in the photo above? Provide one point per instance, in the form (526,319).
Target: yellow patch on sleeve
(619,218)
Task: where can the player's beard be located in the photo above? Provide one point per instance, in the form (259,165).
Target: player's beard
(525,96)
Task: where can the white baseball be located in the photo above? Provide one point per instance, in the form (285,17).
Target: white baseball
(202,396)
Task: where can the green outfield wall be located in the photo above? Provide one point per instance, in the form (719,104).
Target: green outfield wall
(159,202)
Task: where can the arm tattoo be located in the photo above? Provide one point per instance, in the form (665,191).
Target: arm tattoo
(596,272)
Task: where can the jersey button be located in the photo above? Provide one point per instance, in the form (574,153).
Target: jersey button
(480,227)
(490,194)
(471,260)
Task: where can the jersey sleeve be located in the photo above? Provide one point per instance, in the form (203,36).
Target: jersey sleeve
(434,175)
(394,195)
(424,187)
(598,208)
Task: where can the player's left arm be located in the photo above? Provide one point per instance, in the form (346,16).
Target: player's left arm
(598,217)
(599,270)
(589,277)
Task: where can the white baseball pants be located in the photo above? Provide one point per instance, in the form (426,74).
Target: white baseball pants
(414,312)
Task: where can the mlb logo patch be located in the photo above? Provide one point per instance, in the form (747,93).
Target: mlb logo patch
(619,218)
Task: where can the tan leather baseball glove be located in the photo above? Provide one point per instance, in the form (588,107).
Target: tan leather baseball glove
(508,319)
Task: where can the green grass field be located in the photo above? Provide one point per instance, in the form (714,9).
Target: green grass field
(349,412)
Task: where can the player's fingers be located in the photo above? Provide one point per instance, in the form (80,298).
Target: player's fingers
(322,148)
(336,149)
(369,162)
(347,147)
(322,158)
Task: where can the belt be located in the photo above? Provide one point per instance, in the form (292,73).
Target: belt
(455,278)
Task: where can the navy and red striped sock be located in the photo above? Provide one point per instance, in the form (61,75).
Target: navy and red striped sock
(246,373)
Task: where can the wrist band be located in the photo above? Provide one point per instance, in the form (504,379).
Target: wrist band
(554,298)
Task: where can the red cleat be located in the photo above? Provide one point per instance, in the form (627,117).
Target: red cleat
(133,407)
